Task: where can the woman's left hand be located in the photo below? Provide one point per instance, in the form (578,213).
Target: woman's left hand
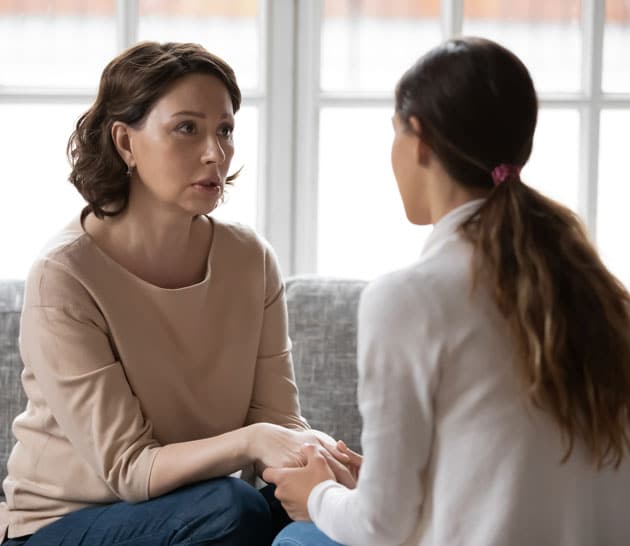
(294,485)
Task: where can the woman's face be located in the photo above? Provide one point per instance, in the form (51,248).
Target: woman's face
(183,148)
(407,149)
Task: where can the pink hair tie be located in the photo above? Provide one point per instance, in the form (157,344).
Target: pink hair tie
(504,171)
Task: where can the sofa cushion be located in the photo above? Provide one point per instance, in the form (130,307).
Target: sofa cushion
(323,329)
(12,397)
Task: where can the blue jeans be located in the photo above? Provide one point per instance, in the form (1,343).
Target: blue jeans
(303,534)
(219,512)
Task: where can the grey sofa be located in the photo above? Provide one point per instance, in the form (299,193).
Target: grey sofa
(322,326)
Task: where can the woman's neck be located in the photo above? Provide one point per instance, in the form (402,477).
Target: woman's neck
(446,194)
(169,251)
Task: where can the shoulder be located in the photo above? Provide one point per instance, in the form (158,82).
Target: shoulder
(238,241)
(393,299)
(420,296)
(54,279)
(239,246)
(238,234)
(400,325)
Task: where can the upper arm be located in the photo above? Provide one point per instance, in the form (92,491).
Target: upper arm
(63,340)
(398,371)
(275,394)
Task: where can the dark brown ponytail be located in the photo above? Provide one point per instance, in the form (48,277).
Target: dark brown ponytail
(569,315)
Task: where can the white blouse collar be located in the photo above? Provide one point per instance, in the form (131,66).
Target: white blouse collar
(450,222)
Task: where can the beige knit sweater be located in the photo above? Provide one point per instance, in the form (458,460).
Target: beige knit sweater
(115,367)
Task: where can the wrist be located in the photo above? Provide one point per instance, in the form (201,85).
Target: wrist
(251,434)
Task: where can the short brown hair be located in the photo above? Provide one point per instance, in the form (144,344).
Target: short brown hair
(130,85)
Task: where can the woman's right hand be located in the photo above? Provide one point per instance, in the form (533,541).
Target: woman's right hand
(274,446)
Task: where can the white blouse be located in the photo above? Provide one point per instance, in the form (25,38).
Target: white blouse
(453,452)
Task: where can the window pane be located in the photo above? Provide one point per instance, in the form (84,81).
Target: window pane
(368,44)
(36,199)
(545,35)
(228,28)
(362,227)
(613,221)
(359,206)
(553,166)
(616,76)
(56,44)
(241,201)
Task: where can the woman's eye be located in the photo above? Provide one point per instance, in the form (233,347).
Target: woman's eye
(187,127)
(226,131)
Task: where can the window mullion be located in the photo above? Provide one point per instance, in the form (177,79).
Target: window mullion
(276,215)
(306,134)
(452,17)
(261,104)
(593,15)
(126,23)
(35,95)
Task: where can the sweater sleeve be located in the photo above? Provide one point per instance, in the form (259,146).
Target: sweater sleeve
(64,341)
(397,374)
(275,395)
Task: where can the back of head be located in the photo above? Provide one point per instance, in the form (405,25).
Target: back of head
(477,108)
(477,105)
(130,85)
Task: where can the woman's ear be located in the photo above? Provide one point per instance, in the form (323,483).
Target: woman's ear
(122,141)
(423,152)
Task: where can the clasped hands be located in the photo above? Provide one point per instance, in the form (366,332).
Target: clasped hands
(320,460)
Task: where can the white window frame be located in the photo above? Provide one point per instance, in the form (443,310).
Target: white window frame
(590,101)
(289,99)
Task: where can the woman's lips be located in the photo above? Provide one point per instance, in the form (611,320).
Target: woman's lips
(210,186)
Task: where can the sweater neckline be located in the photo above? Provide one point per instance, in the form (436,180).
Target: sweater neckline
(138,280)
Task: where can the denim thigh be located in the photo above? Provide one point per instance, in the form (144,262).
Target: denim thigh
(218,512)
(303,534)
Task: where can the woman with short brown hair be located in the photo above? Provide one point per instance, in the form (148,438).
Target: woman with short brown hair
(154,337)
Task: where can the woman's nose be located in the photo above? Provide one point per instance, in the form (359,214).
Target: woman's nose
(213,152)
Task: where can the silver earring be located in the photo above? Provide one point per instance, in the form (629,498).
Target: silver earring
(129,171)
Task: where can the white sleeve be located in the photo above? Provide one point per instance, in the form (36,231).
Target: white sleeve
(397,375)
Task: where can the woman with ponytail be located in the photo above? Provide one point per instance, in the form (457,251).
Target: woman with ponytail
(494,373)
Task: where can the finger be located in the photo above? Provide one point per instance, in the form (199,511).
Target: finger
(340,471)
(308,451)
(355,458)
(335,452)
(315,454)
(349,474)
(272,475)
(277,475)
